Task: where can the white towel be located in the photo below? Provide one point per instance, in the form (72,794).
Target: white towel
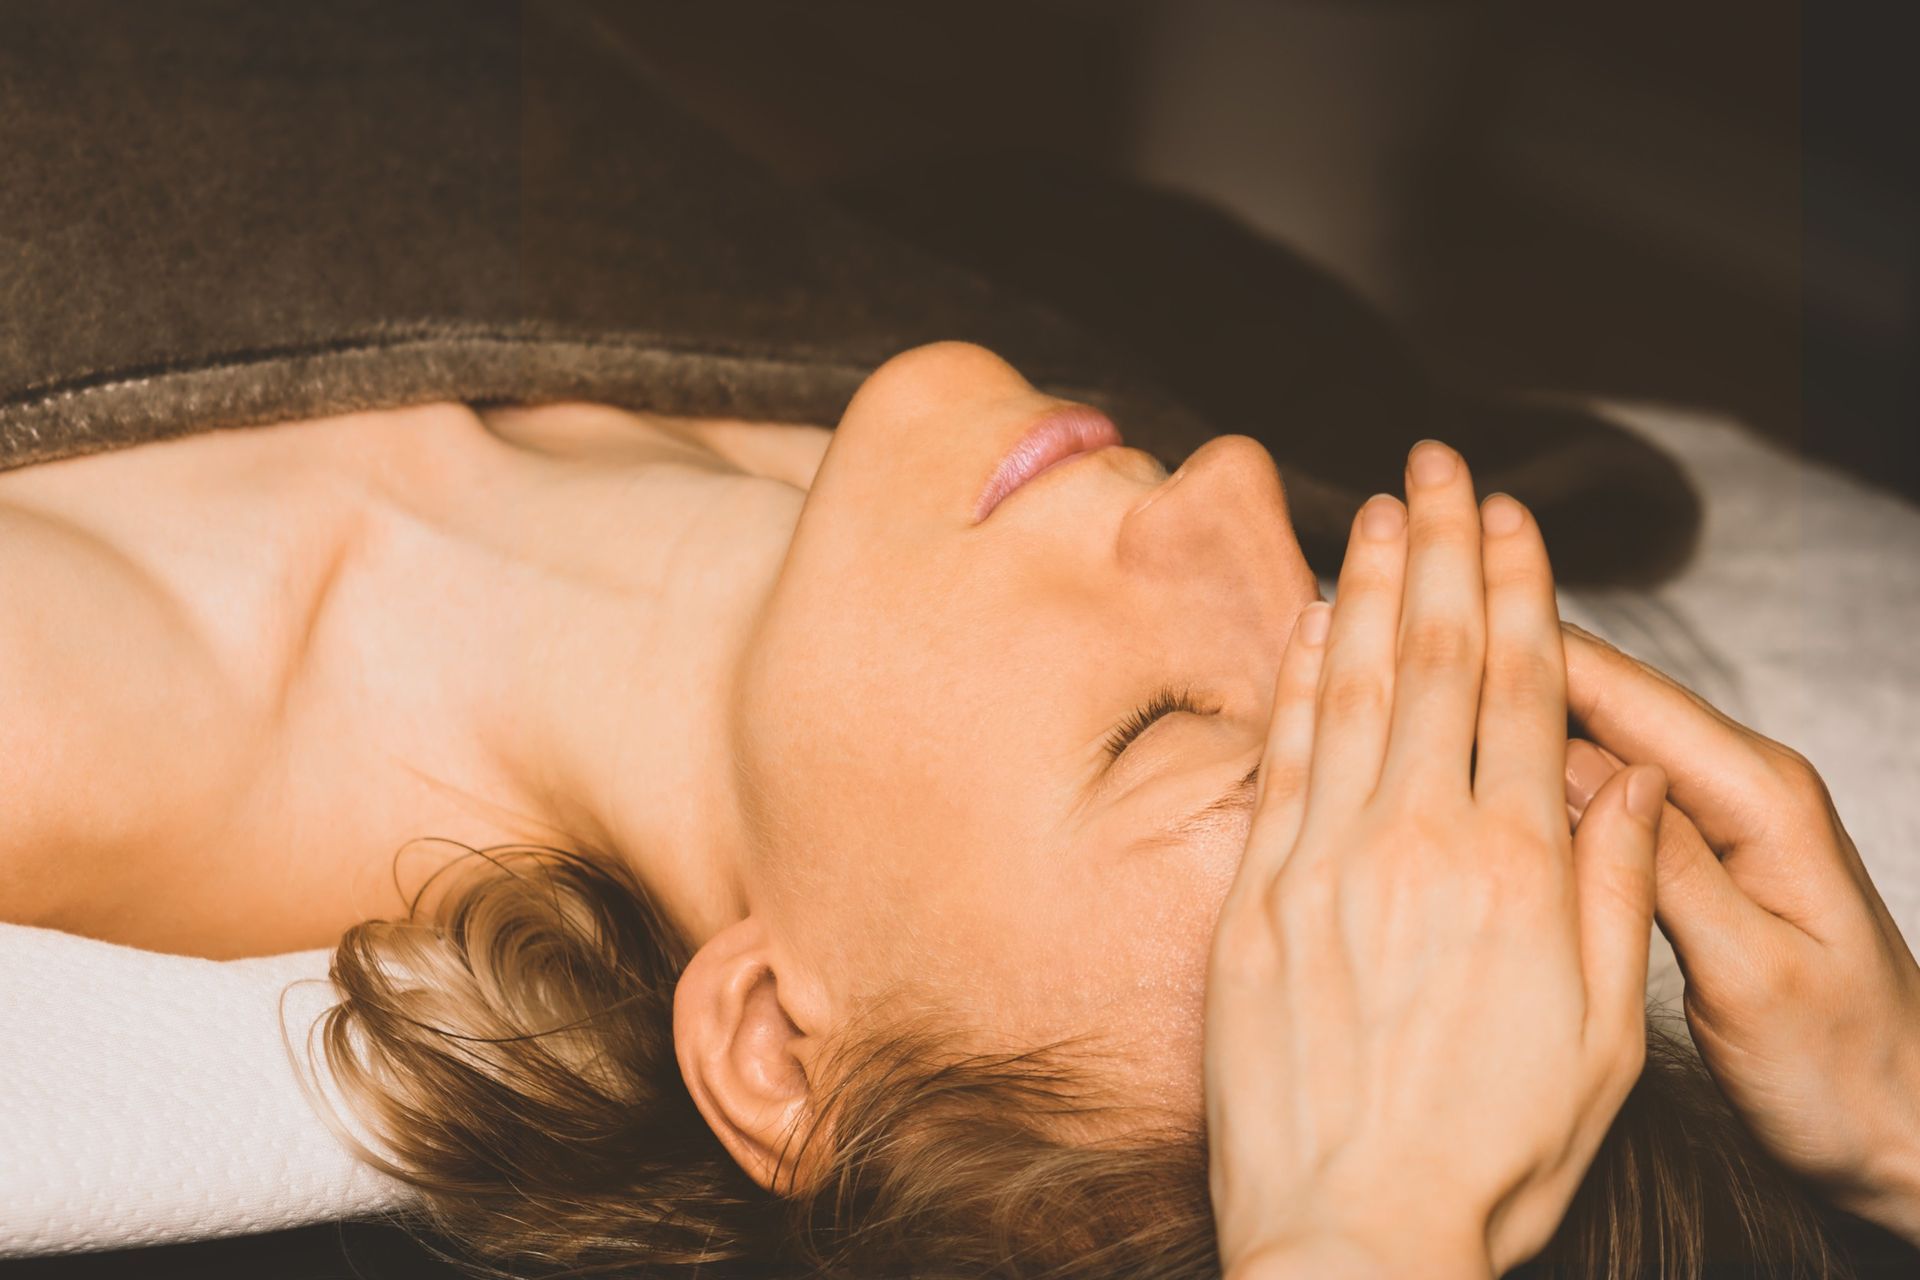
(147,1098)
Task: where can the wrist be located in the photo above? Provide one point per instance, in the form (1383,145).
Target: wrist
(1891,1198)
(1888,1190)
(1385,1255)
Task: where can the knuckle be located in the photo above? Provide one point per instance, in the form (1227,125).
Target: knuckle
(1513,843)
(1298,681)
(1437,644)
(1353,693)
(1604,648)
(1521,836)
(1601,668)
(1282,781)
(1305,889)
(1367,578)
(1793,773)
(1429,832)
(1448,531)
(1244,947)
(1419,802)
(1632,1058)
(1524,675)
(1515,570)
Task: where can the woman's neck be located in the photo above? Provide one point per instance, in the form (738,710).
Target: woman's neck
(594,575)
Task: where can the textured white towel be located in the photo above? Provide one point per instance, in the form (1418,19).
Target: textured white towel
(148,1098)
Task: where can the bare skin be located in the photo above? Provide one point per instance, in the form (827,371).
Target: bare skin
(850,737)
(265,705)
(1802,996)
(1425,1002)
(854,739)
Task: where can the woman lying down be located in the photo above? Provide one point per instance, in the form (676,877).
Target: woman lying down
(949,845)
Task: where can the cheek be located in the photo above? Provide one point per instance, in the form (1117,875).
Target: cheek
(882,834)
(1121,959)
(1162,960)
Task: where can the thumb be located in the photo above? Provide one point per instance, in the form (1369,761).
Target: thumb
(1706,916)
(1613,871)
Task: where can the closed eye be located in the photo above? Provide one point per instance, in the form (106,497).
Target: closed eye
(1165,702)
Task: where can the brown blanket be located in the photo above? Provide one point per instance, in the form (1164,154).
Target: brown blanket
(218,213)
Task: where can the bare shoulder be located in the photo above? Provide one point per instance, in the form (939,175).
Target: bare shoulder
(181,688)
(110,712)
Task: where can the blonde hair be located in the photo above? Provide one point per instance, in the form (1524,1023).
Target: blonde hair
(513,1055)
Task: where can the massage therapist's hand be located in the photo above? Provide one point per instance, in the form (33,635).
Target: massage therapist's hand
(1424,1000)
(1801,994)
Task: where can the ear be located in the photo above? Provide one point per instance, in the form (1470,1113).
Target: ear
(742,1055)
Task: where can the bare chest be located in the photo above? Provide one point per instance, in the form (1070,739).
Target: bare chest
(176,779)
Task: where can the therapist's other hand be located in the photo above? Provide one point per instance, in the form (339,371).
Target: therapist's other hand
(1425,997)
(1802,997)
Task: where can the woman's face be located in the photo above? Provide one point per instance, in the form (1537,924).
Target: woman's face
(927,703)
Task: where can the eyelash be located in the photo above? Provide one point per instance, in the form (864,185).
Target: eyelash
(1165,702)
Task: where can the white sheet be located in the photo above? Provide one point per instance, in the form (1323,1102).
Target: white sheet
(147,1098)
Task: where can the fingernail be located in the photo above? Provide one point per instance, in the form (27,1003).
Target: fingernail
(1432,462)
(1587,769)
(1646,791)
(1500,514)
(1384,517)
(1314,621)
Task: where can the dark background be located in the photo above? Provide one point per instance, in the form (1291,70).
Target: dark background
(1705,202)
(1712,203)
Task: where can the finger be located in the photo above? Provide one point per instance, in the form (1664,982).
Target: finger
(1717,768)
(1280,792)
(1613,870)
(1442,641)
(1356,681)
(1521,737)
(1701,908)
(1588,768)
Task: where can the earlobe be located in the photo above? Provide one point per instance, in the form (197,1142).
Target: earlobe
(740,1051)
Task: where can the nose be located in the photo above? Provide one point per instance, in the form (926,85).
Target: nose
(1221,519)
(1226,497)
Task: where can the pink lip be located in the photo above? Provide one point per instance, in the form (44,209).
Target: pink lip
(1059,434)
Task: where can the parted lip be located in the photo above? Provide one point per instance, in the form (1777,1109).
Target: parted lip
(1056,435)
